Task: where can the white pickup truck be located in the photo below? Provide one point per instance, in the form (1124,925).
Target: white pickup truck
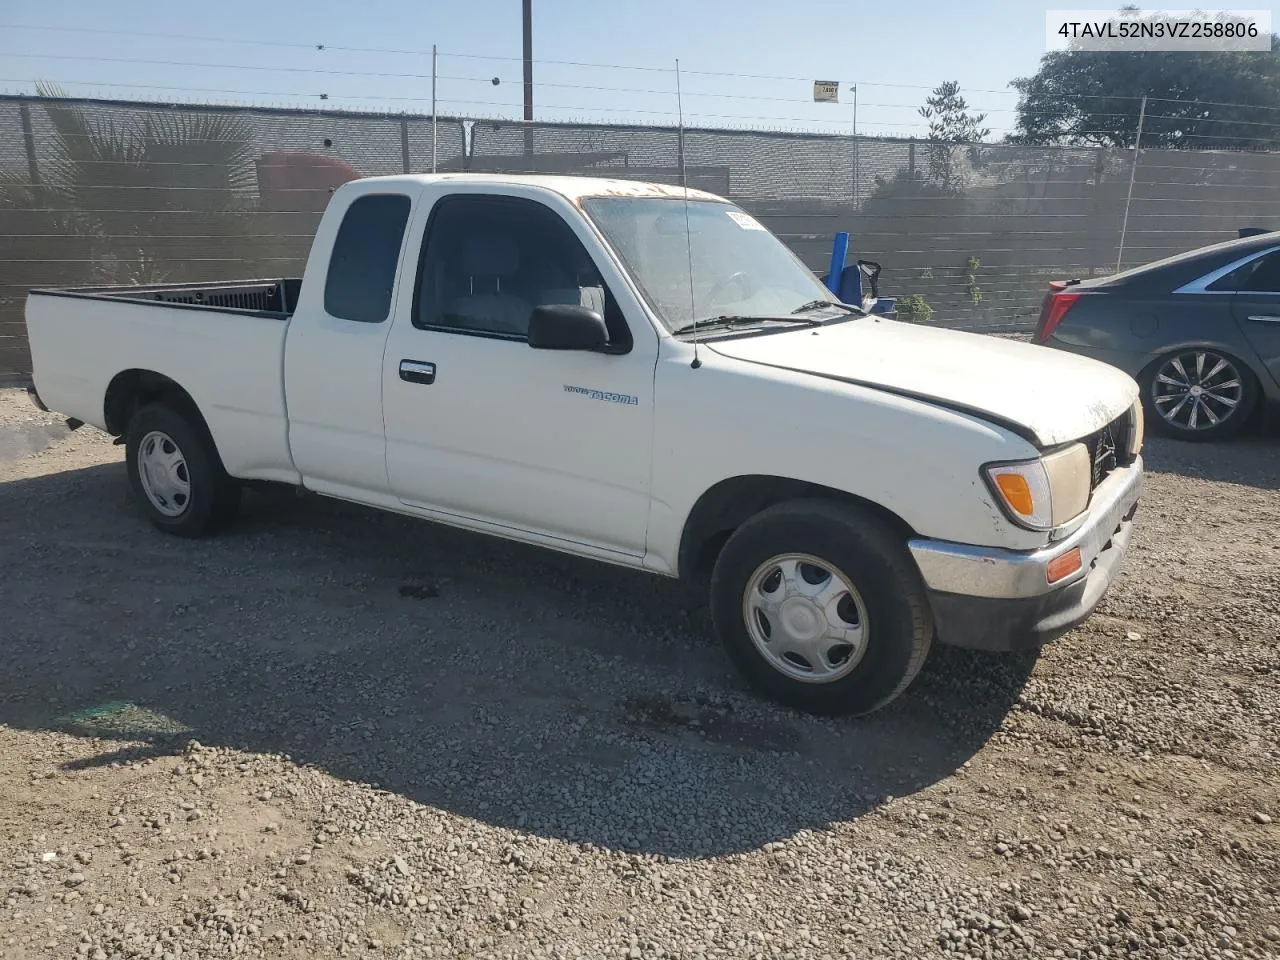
(519,356)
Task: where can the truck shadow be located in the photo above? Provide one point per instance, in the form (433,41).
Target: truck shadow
(498,682)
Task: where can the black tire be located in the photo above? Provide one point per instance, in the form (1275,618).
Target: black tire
(1229,424)
(212,499)
(866,553)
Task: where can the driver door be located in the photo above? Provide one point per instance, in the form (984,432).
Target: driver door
(485,429)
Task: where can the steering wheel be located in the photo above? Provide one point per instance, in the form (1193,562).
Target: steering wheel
(736,277)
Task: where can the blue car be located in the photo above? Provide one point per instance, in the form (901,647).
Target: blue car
(1200,332)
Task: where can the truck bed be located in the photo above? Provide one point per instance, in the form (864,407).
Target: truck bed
(221,343)
(272,298)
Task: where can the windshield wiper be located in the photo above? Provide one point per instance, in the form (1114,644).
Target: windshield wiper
(815,304)
(736,320)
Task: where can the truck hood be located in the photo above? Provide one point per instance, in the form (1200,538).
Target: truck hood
(1046,395)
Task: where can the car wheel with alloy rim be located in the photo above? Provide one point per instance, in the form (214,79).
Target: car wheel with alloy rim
(1198,394)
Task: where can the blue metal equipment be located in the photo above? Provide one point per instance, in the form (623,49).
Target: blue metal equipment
(846,282)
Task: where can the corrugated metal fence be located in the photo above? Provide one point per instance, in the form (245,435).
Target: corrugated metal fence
(114,192)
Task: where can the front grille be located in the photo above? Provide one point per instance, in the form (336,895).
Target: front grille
(1109,448)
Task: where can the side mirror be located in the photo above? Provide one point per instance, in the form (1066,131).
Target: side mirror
(564,326)
(872,271)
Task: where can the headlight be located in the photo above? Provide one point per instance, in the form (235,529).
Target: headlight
(1046,492)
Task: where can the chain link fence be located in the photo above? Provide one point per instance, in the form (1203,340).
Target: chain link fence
(115,192)
(109,192)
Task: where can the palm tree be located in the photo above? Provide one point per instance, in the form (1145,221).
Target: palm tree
(161,194)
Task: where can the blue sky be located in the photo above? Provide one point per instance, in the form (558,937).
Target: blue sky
(744,62)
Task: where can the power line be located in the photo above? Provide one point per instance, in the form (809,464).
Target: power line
(1214,103)
(326,71)
(219,66)
(322,47)
(164,36)
(1273,124)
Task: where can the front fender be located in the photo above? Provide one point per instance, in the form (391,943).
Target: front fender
(916,461)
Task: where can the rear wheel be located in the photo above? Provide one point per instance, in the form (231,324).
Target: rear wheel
(1200,394)
(176,474)
(821,608)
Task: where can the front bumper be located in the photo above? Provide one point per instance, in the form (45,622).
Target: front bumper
(986,598)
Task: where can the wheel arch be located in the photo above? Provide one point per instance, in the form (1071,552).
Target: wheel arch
(130,390)
(726,505)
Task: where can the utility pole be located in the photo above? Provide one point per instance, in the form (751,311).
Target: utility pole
(528,83)
(1133,173)
(433,108)
(856,188)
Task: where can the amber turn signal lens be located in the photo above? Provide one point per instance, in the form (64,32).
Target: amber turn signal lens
(1063,566)
(1017,494)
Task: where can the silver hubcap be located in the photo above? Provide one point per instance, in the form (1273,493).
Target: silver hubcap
(805,617)
(1197,390)
(163,471)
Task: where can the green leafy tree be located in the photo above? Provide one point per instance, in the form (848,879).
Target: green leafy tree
(1205,100)
(951,125)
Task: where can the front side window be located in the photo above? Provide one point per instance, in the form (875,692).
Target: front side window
(730,264)
(489,261)
(366,252)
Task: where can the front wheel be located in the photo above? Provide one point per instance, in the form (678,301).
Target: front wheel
(1198,394)
(821,608)
(176,473)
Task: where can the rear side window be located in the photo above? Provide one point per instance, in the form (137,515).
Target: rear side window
(1265,277)
(1257,276)
(362,269)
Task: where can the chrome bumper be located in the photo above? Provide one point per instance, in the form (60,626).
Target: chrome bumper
(956,568)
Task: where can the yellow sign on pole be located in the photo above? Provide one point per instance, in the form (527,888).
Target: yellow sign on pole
(826,91)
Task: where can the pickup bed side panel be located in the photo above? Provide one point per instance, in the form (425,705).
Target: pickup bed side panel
(730,418)
(230,363)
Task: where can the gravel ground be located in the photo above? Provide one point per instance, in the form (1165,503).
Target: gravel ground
(340,732)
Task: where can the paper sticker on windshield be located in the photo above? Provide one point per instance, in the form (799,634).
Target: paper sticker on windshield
(744,221)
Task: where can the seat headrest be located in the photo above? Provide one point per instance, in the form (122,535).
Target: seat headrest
(490,254)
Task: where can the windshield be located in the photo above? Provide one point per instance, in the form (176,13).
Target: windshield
(739,268)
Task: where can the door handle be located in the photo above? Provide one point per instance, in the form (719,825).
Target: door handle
(417,371)
(1264,318)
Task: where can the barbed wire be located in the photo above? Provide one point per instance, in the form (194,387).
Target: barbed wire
(826,123)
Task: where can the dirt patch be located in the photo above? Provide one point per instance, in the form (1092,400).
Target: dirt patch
(338,732)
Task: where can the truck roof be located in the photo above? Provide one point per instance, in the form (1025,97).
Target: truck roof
(572,188)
